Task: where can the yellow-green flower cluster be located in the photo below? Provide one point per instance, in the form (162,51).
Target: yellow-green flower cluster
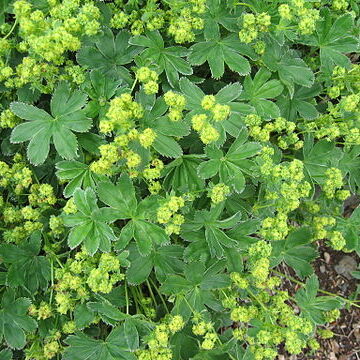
(258,262)
(70,207)
(275,228)
(325,333)
(280,125)
(69,327)
(300,13)
(8,119)
(350,103)
(219,192)
(149,78)
(151,173)
(51,349)
(206,330)
(167,214)
(148,307)
(158,342)
(40,74)
(253,25)
(339,5)
(42,312)
(337,240)
(119,20)
(176,103)
(103,278)
(118,149)
(56,225)
(265,159)
(51,35)
(149,17)
(319,223)
(332,315)
(109,156)
(333,181)
(41,195)
(332,125)
(282,325)
(182,25)
(147,137)
(121,114)
(323,229)
(343,79)
(83,274)
(73,73)
(286,188)
(24,219)
(202,122)
(18,176)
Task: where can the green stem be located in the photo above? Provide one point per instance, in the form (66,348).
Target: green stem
(140,297)
(245,4)
(160,296)
(352,303)
(11,30)
(126,298)
(151,292)
(52,280)
(135,299)
(133,85)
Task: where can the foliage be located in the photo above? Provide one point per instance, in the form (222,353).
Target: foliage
(162,163)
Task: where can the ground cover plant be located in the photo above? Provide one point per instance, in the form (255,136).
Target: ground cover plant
(162,163)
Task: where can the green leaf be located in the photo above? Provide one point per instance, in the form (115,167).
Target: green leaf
(219,51)
(29,112)
(317,158)
(66,102)
(208,169)
(291,69)
(120,197)
(167,146)
(258,90)
(109,54)
(296,251)
(168,59)
(79,233)
(127,233)
(89,224)
(139,270)
(350,228)
(216,14)
(302,103)
(165,259)
(6,354)
(14,320)
(193,93)
(175,284)
(188,180)
(131,335)
(147,234)
(83,347)
(217,240)
(334,39)
(67,116)
(313,307)
(79,175)
(108,312)
(83,316)
(25,267)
